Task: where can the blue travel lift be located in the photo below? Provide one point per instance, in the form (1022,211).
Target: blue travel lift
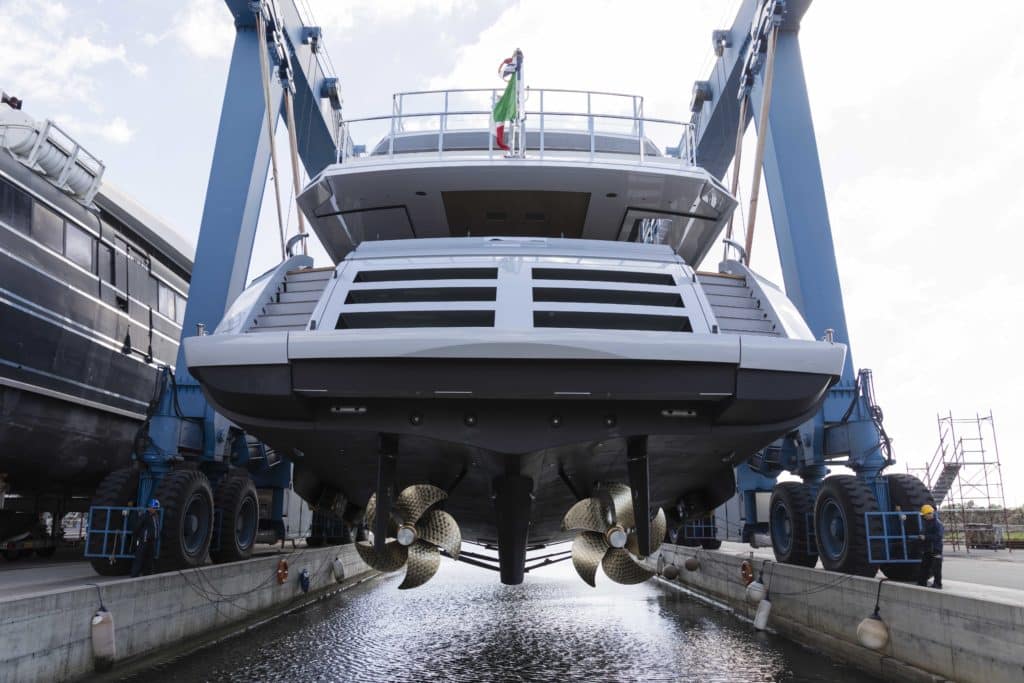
(854,522)
(220,490)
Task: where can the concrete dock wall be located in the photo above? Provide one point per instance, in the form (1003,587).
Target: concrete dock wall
(47,636)
(934,635)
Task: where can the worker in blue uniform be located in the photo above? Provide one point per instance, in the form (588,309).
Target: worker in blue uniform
(145,536)
(932,533)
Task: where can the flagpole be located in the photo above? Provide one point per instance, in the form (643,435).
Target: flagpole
(520,113)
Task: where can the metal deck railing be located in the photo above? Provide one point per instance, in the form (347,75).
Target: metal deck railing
(596,115)
(111,529)
(888,538)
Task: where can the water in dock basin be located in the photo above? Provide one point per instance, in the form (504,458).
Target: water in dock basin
(465,626)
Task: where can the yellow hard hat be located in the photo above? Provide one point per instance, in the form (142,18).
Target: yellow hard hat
(927,509)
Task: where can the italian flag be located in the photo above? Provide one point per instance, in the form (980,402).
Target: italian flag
(504,110)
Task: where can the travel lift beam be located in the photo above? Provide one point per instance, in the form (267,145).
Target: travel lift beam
(847,430)
(184,425)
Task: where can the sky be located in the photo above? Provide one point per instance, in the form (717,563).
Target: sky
(916,114)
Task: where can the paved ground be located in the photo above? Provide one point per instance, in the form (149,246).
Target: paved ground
(989,574)
(993,575)
(65,571)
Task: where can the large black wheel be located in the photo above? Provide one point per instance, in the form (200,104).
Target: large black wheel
(711,543)
(187,522)
(790,511)
(839,526)
(118,488)
(907,493)
(239,519)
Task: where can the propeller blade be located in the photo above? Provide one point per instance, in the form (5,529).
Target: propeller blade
(620,567)
(658,527)
(392,559)
(588,514)
(622,504)
(441,529)
(424,559)
(414,500)
(587,551)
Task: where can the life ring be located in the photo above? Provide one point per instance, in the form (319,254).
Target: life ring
(746,572)
(282,571)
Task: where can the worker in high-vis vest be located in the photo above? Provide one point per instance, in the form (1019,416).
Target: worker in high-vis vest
(932,533)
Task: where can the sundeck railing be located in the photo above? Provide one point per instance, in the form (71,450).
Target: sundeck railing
(459,111)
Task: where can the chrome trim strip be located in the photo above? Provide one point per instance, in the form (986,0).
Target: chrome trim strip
(50,375)
(99,301)
(50,393)
(95,338)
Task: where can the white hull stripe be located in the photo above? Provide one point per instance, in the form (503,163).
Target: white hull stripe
(73,399)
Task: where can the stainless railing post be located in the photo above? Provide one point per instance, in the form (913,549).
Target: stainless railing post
(444,124)
(641,138)
(541,124)
(590,127)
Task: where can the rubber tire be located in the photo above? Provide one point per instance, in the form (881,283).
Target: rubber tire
(711,543)
(231,496)
(48,551)
(11,554)
(853,498)
(174,491)
(796,500)
(120,487)
(314,541)
(908,493)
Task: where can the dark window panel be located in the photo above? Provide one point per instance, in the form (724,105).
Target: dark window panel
(48,227)
(105,263)
(165,304)
(79,246)
(15,207)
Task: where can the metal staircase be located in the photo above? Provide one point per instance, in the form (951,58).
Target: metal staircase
(292,304)
(735,306)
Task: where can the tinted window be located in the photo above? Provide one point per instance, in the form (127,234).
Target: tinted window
(15,207)
(166,301)
(79,246)
(105,263)
(179,308)
(48,227)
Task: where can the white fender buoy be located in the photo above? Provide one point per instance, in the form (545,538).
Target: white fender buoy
(764,608)
(104,646)
(872,632)
(670,571)
(756,592)
(338,568)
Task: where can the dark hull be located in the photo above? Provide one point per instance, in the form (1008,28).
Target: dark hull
(71,402)
(564,445)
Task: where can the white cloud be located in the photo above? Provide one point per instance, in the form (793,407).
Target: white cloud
(350,15)
(48,58)
(204,28)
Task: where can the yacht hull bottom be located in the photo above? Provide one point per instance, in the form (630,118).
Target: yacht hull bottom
(701,419)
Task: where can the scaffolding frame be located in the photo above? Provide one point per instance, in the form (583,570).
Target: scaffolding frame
(966,481)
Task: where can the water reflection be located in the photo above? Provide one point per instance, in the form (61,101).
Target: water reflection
(465,626)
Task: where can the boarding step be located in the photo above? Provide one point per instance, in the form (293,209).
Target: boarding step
(315,274)
(296,320)
(305,285)
(736,309)
(298,297)
(291,308)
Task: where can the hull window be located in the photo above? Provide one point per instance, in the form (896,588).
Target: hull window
(15,207)
(590,275)
(393,319)
(80,247)
(48,228)
(611,321)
